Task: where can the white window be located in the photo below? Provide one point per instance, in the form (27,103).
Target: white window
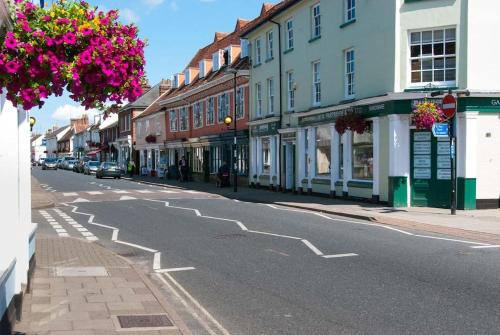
(270,96)
(323,151)
(349,74)
(270,42)
(229,51)
(433,57)
(240,103)
(187,77)
(258,55)
(258,100)
(244,47)
(173,120)
(183,119)
(362,154)
(198,160)
(350,10)
(202,69)
(266,156)
(197,115)
(316,20)
(291,90)
(210,111)
(316,84)
(222,106)
(216,61)
(289,34)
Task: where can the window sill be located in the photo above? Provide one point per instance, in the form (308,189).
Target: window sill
(314,39)
(360,183)
(287,51)
(348,23)
(269,59)
(257,65)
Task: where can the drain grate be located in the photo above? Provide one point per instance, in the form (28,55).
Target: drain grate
(144,321)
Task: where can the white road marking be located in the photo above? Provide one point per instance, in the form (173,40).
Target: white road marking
(137,246)
(121,192)
(63,234)
(272,234)
(176,269)
(485,246)
(168,191)
(194,301)
(83,231)
(192,192)
(144,191)
(450,239)
(124,197)
(81,200)
(94,192)
(340,255)
(70,194)
(157,261)
(312,247)
(60,230)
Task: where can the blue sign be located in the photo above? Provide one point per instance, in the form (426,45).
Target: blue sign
(440,129)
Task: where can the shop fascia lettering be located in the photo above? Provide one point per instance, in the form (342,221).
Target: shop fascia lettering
(329,116)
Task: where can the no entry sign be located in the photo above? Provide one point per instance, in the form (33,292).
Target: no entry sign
(449,106)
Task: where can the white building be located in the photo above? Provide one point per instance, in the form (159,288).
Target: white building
(17,241)
(53,137)
(376,60)
(38,147)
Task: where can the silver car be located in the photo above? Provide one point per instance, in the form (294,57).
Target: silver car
(91,167)
(70,164)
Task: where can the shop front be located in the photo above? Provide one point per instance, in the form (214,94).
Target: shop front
(388,160)
(264,154)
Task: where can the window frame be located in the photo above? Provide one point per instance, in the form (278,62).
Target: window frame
(270,45)
(240,103)
(361,144)
(258,51)
(185,111)
(175,120)
(316,20)
(316,83)
(349,74)
(290,99)
(222,104)
(258,99)
(210,111)
(263,161)
(316,173)
(197,109)
(289,34)
(270,96)
(432,57)
(349,11)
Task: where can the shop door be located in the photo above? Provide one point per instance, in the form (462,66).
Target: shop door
(430,170)
(289,167)
(206,165)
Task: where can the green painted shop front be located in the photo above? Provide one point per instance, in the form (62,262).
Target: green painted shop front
(430,175)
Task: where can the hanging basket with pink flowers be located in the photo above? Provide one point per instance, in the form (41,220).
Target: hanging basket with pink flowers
(351,121)
(425,114)
(151,139)
(70,45)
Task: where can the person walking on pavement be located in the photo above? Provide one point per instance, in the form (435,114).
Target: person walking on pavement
(131,168)
(183,169)
(223,175)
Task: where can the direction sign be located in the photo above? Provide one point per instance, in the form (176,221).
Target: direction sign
(440,129)
(449,105)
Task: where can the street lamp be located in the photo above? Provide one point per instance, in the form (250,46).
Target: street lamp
(228,121)
(32,122)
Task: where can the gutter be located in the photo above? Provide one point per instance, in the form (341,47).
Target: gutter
(281,99)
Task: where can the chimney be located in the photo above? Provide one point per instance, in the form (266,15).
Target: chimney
(80,124)
(165,85)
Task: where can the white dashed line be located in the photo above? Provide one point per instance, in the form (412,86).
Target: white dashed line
(70,194)
(78,227)
(95,192)
(121,192)
(144,191)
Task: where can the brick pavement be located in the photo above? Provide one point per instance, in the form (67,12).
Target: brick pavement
(85,305)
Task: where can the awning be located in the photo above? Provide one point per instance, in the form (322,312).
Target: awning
(93,153)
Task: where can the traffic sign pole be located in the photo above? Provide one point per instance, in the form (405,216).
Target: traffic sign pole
(450,104)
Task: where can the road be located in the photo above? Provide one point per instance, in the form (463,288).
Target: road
(246,268)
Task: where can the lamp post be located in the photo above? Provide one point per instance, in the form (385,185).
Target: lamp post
(32,122)
(228,121)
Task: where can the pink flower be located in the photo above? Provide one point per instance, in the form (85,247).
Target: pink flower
(85,58)
(69,38)
(12,66)
(28,48)
(26,27)
(10,41)
(58,40)
(46,18)
(87,31)
(63,20)
(49,41)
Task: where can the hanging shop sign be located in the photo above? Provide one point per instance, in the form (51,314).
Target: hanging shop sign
(265,129)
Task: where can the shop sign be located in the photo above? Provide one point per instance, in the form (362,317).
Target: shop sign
(495,102)
(422,148)
(438,102)
(443,148)
(444,174)
(422,136)
(419,173)
(265,129)
(422,161)
(443,162)
(375,108)
(329,116)
(288,136)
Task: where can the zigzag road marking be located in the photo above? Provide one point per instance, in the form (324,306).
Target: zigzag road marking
(240,224)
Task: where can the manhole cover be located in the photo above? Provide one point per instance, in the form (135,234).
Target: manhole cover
(83,271)
(229,236)
(144,321)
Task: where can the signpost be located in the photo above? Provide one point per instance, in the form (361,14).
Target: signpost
(450,109)
(440,129)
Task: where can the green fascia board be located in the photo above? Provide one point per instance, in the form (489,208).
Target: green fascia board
(466,193)
(321,181)
(360,184)
(348,23)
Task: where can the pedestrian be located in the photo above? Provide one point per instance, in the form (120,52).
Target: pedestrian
(183,169)
(131,168)
(223,175)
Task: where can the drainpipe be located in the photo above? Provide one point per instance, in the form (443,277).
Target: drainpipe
(281,99)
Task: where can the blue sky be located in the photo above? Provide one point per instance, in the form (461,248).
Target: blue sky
(175,30)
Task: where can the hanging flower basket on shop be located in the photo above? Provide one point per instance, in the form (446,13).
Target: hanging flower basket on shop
(151,139)
(426,114)
(351,121)
(70,45)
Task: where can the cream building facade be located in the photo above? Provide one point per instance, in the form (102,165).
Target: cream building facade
(314,62)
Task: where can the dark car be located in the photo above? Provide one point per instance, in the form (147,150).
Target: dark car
(49,163)
(108,169)
(91,167)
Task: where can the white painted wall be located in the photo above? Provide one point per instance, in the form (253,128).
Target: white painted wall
(488,166)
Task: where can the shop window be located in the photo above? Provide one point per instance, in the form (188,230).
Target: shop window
(183,119)
(323,151)
(433,57)
(197,115)
(266,156)
(173,120)
(362,155)
(198,160)
(242,159)
(215,158)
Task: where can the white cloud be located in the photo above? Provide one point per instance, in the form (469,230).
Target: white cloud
(67,112)
(128,15)
(174,5)
(153,3)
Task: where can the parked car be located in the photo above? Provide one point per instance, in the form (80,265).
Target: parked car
(49,163)
(71,164)
(108,169)
(79,166)
(40,161)
(59,163)
(91,167)
(65,163)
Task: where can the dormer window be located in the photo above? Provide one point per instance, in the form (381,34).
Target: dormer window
(216,61)
(175,82)
(244,47)
(202,69)
(229,52)
(187,79)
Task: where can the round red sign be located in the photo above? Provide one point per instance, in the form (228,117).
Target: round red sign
(449,105)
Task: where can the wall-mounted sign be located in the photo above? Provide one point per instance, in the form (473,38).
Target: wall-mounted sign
(422,161)
(419,173)
(444,174)
(443,148)
(443,162)
(270,128)
(329,116)
(422,136)
(421,148)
